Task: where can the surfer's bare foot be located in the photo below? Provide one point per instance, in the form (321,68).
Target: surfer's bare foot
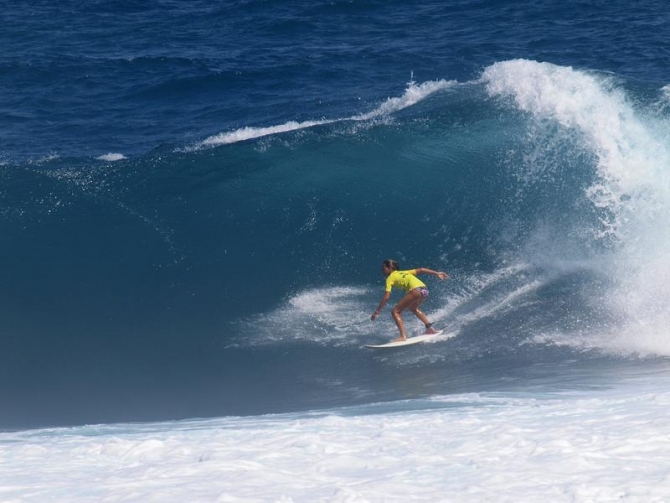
(399,339)
(430,331)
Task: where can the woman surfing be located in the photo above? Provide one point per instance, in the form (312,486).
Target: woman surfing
(415,294)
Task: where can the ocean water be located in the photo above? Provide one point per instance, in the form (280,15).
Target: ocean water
(195,200)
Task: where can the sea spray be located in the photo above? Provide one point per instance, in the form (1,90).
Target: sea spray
(632,187)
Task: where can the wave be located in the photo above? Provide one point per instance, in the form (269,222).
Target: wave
(598,161)
(543,190)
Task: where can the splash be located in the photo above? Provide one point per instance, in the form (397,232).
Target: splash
(324,316)
(632,187)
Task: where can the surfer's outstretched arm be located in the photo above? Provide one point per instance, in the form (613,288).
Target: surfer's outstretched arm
(383,302)
(439,274)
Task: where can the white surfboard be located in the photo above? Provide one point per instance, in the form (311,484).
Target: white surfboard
(407,342)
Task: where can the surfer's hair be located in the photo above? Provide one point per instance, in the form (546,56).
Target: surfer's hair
(391,264)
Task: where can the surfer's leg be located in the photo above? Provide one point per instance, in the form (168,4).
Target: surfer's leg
(424,319)
(411,300)
(414,308)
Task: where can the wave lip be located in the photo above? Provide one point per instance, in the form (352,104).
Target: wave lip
(627,153)
(249,133)
(413,94)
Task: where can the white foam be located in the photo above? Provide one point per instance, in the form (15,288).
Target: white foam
(111,157)
(579,447)
(331,315)
(632,187)
(666,92)
(493,294)
(249,133)
(413,94)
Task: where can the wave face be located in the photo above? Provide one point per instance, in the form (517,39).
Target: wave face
(237,275)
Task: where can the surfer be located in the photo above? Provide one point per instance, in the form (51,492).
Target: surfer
(416,294)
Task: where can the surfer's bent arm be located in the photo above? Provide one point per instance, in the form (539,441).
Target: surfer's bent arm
(439,274)
(378,311)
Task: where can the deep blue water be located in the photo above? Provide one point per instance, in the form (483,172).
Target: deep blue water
(166,256)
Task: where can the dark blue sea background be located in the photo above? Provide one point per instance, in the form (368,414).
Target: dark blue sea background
(196,197)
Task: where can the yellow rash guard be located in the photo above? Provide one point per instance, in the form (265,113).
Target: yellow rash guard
(405,280)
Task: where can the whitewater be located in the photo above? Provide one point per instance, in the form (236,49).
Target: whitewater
(603,445)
